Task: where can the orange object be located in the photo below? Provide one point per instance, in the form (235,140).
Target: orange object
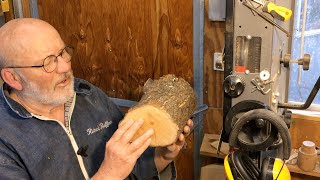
(240,68)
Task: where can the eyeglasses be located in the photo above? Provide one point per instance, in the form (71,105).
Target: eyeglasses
(50,62)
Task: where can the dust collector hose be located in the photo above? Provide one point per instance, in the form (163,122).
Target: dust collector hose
(269,116)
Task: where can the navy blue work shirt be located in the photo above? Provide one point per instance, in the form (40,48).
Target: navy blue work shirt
(31,148)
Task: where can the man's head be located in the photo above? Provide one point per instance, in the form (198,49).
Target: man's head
(27,42)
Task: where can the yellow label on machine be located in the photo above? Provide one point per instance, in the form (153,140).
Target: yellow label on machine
(5,5)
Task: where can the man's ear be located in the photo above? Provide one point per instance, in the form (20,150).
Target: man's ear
(11,79)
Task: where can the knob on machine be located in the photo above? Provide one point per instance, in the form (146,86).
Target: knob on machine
(305,61)
(234,85)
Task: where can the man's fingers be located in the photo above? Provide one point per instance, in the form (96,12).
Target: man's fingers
(141,140)
(190,123)
(127,136)
(171,147)
(181,137)
(122,130)
(179,142)
(142,148)
(186,130)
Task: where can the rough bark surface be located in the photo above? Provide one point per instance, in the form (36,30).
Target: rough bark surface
(165,106)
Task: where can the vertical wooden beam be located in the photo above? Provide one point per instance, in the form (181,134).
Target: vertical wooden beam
(26,8)
(9,15)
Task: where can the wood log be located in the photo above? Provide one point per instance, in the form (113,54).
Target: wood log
(165,106)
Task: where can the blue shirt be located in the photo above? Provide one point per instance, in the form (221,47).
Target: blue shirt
(31,148)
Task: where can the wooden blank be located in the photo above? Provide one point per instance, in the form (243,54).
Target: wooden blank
(165,106)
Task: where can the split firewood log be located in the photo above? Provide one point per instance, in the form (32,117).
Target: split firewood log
(165,106)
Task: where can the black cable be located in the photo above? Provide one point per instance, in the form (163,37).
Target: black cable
(252,169)
(281,168)
(308,102)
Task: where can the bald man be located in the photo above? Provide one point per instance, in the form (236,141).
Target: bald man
(55,126)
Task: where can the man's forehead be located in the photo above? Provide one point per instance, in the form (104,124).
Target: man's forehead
(29,38)
(24,25)
(27,28)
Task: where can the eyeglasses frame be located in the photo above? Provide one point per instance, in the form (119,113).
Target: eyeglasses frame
(39,66)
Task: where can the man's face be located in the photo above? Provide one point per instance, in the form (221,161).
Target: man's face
(53,88)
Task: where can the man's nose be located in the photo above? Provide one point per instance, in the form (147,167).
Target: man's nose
(62,65)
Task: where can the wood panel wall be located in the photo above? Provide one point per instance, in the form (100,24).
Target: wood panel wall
(26,8)
(120,44)
(213,80)
(304,127)
(213,93)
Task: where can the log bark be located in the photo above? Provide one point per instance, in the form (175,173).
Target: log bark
(165,106)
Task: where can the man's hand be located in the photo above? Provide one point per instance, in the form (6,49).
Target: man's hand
(165,155)
(121,154)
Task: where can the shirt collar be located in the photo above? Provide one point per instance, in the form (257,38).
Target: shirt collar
(14,106)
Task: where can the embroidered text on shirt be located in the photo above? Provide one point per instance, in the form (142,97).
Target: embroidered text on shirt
(101,126)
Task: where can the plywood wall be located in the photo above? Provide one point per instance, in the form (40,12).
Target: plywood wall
(213,93)
(120,44)
(304,128)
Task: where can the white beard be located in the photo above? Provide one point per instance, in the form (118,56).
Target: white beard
(52,96)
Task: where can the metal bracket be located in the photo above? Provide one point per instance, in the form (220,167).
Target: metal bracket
(260,85)
(218,63)
(17,8)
